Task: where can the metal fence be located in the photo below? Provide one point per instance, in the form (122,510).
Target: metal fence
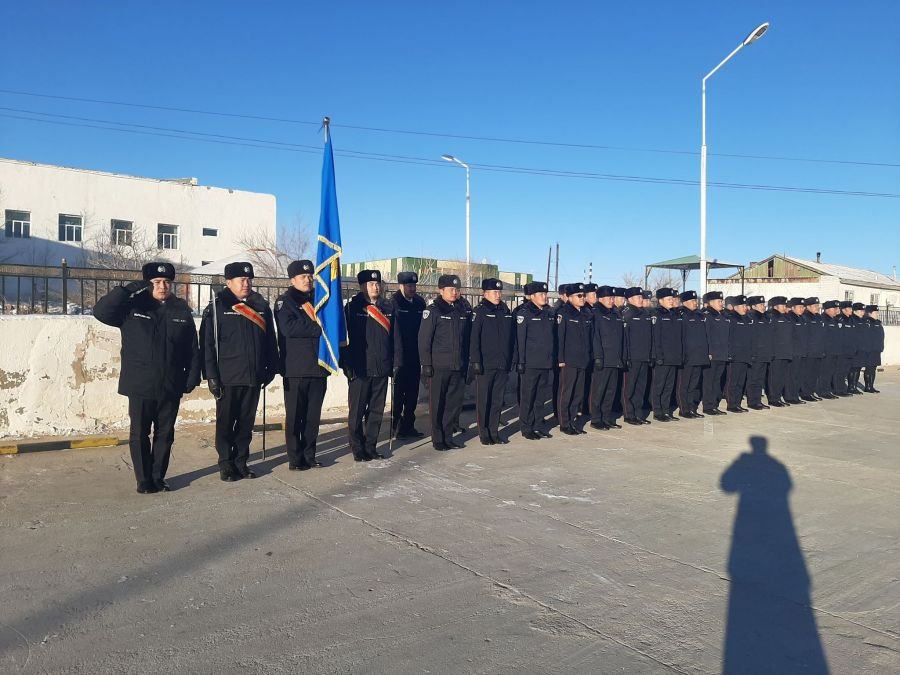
(36,289)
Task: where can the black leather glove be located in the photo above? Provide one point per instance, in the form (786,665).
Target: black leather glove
(137,286)
(348,373)
(427,372)
(598,364)
(477,369)
(520,368)
(269,378)
(395,373)
(215,388)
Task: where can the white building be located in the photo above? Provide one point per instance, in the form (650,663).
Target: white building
(53,212)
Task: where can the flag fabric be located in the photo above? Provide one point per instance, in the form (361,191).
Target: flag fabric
(329,303)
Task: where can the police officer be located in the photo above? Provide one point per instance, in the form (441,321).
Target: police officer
(858,360)
(371,356)
(561,302)
(874,347)
(304,380)
(573,339)
(741,351)
(590,301)
(782,351)
(408,308)
(799,340)
(761,348)
(607,348)
(718,334)
(444,354)
(160,363)
(848,347)
(668,353)
(535,357)
(638,354)
(239,356)
(490,358)
(828,386)
(815,349)
(696,356)
(618,401)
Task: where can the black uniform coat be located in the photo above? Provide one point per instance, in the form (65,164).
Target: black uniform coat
(815,326)
(782,335)
(799,336)
(668,337)
(160,354)
(696,343)
(848,335)
(573,337)
(247,355)
(371,349)
(833,345)
(444,335)
(493,336)
(535,337)
(876,346)
(762,337)
(408,318)
(608,341)
(298,335)
(741,349)
(718,333)
(638,334)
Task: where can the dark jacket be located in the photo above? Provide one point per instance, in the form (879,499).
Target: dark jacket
(298,335)
(782,335)
(741,347)
(848,335)
(573,337)
(371,349)
(696,344)
(833,344)
(444,335)
(718,333)
(877,344)
(247,354)
(799,335)
(608,343)
(160,354)
(815,326)
(492,340)
(762,343)
(535,337)
(408,317)
(638,334)
(668,337)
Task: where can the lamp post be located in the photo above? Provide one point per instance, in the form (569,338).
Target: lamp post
(757,33)
(451,158)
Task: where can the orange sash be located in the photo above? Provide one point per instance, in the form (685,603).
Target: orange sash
(308,308)
(382,320)
(249,313)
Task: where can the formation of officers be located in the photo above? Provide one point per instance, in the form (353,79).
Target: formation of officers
(601,353)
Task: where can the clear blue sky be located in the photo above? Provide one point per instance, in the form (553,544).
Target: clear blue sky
(822,84)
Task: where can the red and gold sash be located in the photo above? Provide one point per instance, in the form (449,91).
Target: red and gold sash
(376,314)
(310,311)
(248,312)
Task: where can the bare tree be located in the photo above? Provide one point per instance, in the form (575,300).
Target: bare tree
(271,254)
(660,278)
(131,252)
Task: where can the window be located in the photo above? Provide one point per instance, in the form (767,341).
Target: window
(18,224)
(166,236)
(69,228)
(770,271)
(121,232)
(873,299)
(848,296)
(210,232)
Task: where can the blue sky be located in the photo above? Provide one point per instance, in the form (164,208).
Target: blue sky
(822,84)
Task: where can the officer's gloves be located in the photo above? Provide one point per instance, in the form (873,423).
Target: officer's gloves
(136,287)
(215,388)
(269,377)
(348,373)
(427,372)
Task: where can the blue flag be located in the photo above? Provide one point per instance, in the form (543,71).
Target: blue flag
(329,304)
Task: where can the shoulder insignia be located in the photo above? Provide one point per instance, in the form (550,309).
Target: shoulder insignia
(474,316)
(426,313)
(520,318)
(559,318)
(653,319)
(278,304)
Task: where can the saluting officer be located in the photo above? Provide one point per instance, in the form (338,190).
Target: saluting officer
(408,309)
(304,380)
(741,351)
(535,356)
(874,347)
(782,351)
(608,345)
(696,356)
(372,354)
(638,354)
(490,358)
(718,334)
(815,349)
(668,353)
(160,363)
(761,348)
(444,354)
(240,355)
(573,339)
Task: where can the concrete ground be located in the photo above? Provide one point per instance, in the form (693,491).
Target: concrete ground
(687,548)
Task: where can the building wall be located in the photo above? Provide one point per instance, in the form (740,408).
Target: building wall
(47,191)
(824,287)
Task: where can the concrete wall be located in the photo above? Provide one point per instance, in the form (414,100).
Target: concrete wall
(59,375)
(46,191)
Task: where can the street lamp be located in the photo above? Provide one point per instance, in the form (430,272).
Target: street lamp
(451,158)
(757,33)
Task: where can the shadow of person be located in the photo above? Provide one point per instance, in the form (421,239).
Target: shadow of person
(771,627)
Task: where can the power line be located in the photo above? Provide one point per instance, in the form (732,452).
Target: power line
(466,137)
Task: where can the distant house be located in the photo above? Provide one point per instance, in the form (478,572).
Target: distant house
(429,269)
(793,277)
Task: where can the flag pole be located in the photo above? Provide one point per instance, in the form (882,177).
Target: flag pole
(326,121)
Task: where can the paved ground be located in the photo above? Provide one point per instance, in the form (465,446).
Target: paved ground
(680,548)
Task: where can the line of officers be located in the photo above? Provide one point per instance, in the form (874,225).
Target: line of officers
(599,354)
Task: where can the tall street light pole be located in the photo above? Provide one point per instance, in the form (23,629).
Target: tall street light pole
(451,158)
(751,38)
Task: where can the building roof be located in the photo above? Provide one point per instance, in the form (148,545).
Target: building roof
(691,262)
(847,274)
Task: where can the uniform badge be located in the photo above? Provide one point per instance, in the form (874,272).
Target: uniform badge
(653,319)
(374,275)
(559,318)
(426,313)
(520,318)
(247,269)
(161,269)
(278,305)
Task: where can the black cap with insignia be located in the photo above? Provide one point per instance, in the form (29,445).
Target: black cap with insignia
(665,293)
(448,280)
(535,287)
(858,307)
(831,304)
(756,300)
(407,278)
(845,304)
(619,292)
(238,269)
(688,295)
(712,295)
(366,276)
(491,285)
(631,292)
(158,270)
(590,288)
(300,267)
(606,292)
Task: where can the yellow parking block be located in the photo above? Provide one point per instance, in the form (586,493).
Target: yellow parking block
(9,449)
(93,443)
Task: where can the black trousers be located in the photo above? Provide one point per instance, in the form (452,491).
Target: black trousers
(688,388)
(585,407)
(406,396)
(634,390)
(445,398)
(571,395)
(839,375)
(303,398)
(713,386)
(779,370)
(662,388)
(555,397)
(795,378)
(535,383)
(366,396)
(489,389)
(151,460)
(756,380)
(235,414)
(824,378)
(618,402)
(604,387)
(736,380)
(812,366)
